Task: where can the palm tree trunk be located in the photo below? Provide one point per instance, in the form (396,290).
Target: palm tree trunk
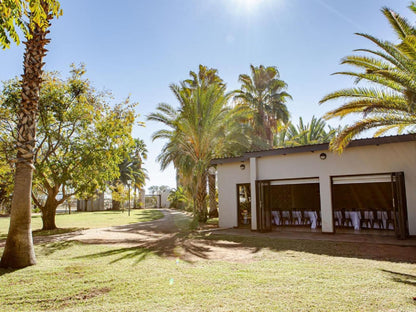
(213,211)
(201,207)
(19,252)
(134,196)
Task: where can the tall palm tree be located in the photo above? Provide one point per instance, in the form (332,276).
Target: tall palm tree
(19,251)
(139,173)
(264,93)
(202,128)
(389,100)
(203,79)
(131,170)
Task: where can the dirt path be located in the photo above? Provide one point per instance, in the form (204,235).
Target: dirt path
(169,237)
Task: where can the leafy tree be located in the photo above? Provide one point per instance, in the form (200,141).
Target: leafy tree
(139,173)
(156,189)
(81,140)
(6,168)
(33,18)
(388,101)
(264,93)
(177,198)
(202,128)
(131,170)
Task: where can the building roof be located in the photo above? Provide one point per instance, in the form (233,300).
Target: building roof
(315,147)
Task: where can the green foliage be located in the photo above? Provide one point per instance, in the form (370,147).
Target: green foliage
(24,15)
(120,193)
(263,92)
(156,189)
(178,199)
(388,101)
(202,128)
(313,132)
(81,140)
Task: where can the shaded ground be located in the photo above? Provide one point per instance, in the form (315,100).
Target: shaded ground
(171,237)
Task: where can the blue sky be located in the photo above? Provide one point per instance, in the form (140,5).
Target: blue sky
(139,47)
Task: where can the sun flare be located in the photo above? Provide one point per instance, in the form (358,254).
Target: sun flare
(246,5)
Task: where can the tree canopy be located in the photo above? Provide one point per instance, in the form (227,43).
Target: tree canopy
(81,139)
(24,15)
(202,128)
(265,94)
(387,100)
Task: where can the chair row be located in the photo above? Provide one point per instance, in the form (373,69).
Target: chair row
(370,219)
(296,217)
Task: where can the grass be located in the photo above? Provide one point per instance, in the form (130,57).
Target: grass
(283,275)
(81,220)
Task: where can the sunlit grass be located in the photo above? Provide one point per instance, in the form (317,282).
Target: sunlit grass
(80,220)
(71,276)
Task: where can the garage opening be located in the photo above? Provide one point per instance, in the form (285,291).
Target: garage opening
(370,203)
(294,202)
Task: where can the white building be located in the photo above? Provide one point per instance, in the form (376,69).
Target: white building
(370,187)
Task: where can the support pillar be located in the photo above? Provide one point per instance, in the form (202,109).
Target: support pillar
(253,178)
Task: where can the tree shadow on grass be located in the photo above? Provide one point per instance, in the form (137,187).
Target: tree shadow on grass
(48,249)
(398,277)
(4,271)
(167,246)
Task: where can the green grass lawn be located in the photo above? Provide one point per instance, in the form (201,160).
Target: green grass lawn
(95,219)
(283,276)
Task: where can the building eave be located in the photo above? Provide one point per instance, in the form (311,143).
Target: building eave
(315,147)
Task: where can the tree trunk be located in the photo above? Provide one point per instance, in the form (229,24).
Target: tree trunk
(49,212)
(213,211)
(134,197)
(116,205)
(201,207)
(19,251)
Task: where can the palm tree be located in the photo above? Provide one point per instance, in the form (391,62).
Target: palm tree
(390,99)
(131,170)
(202,128)
(19,251)
(139,173)
(264,93)
(313,132)
(203,79)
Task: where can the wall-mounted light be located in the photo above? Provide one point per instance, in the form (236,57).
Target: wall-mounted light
(322,156)
(242,166)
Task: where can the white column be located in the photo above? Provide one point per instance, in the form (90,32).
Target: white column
(253,178)
(326,204)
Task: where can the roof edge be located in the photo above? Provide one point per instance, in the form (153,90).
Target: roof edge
(316,147)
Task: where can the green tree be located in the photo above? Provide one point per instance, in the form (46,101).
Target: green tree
(81,140)
(264,93)
(139,173)
(204,127)
(314,132)
(33,18)
(131,171)
(6,153)
(177,198)
(388,100)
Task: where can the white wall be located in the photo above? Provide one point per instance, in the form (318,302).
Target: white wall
(384,158)
(164,202)
(228,177)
